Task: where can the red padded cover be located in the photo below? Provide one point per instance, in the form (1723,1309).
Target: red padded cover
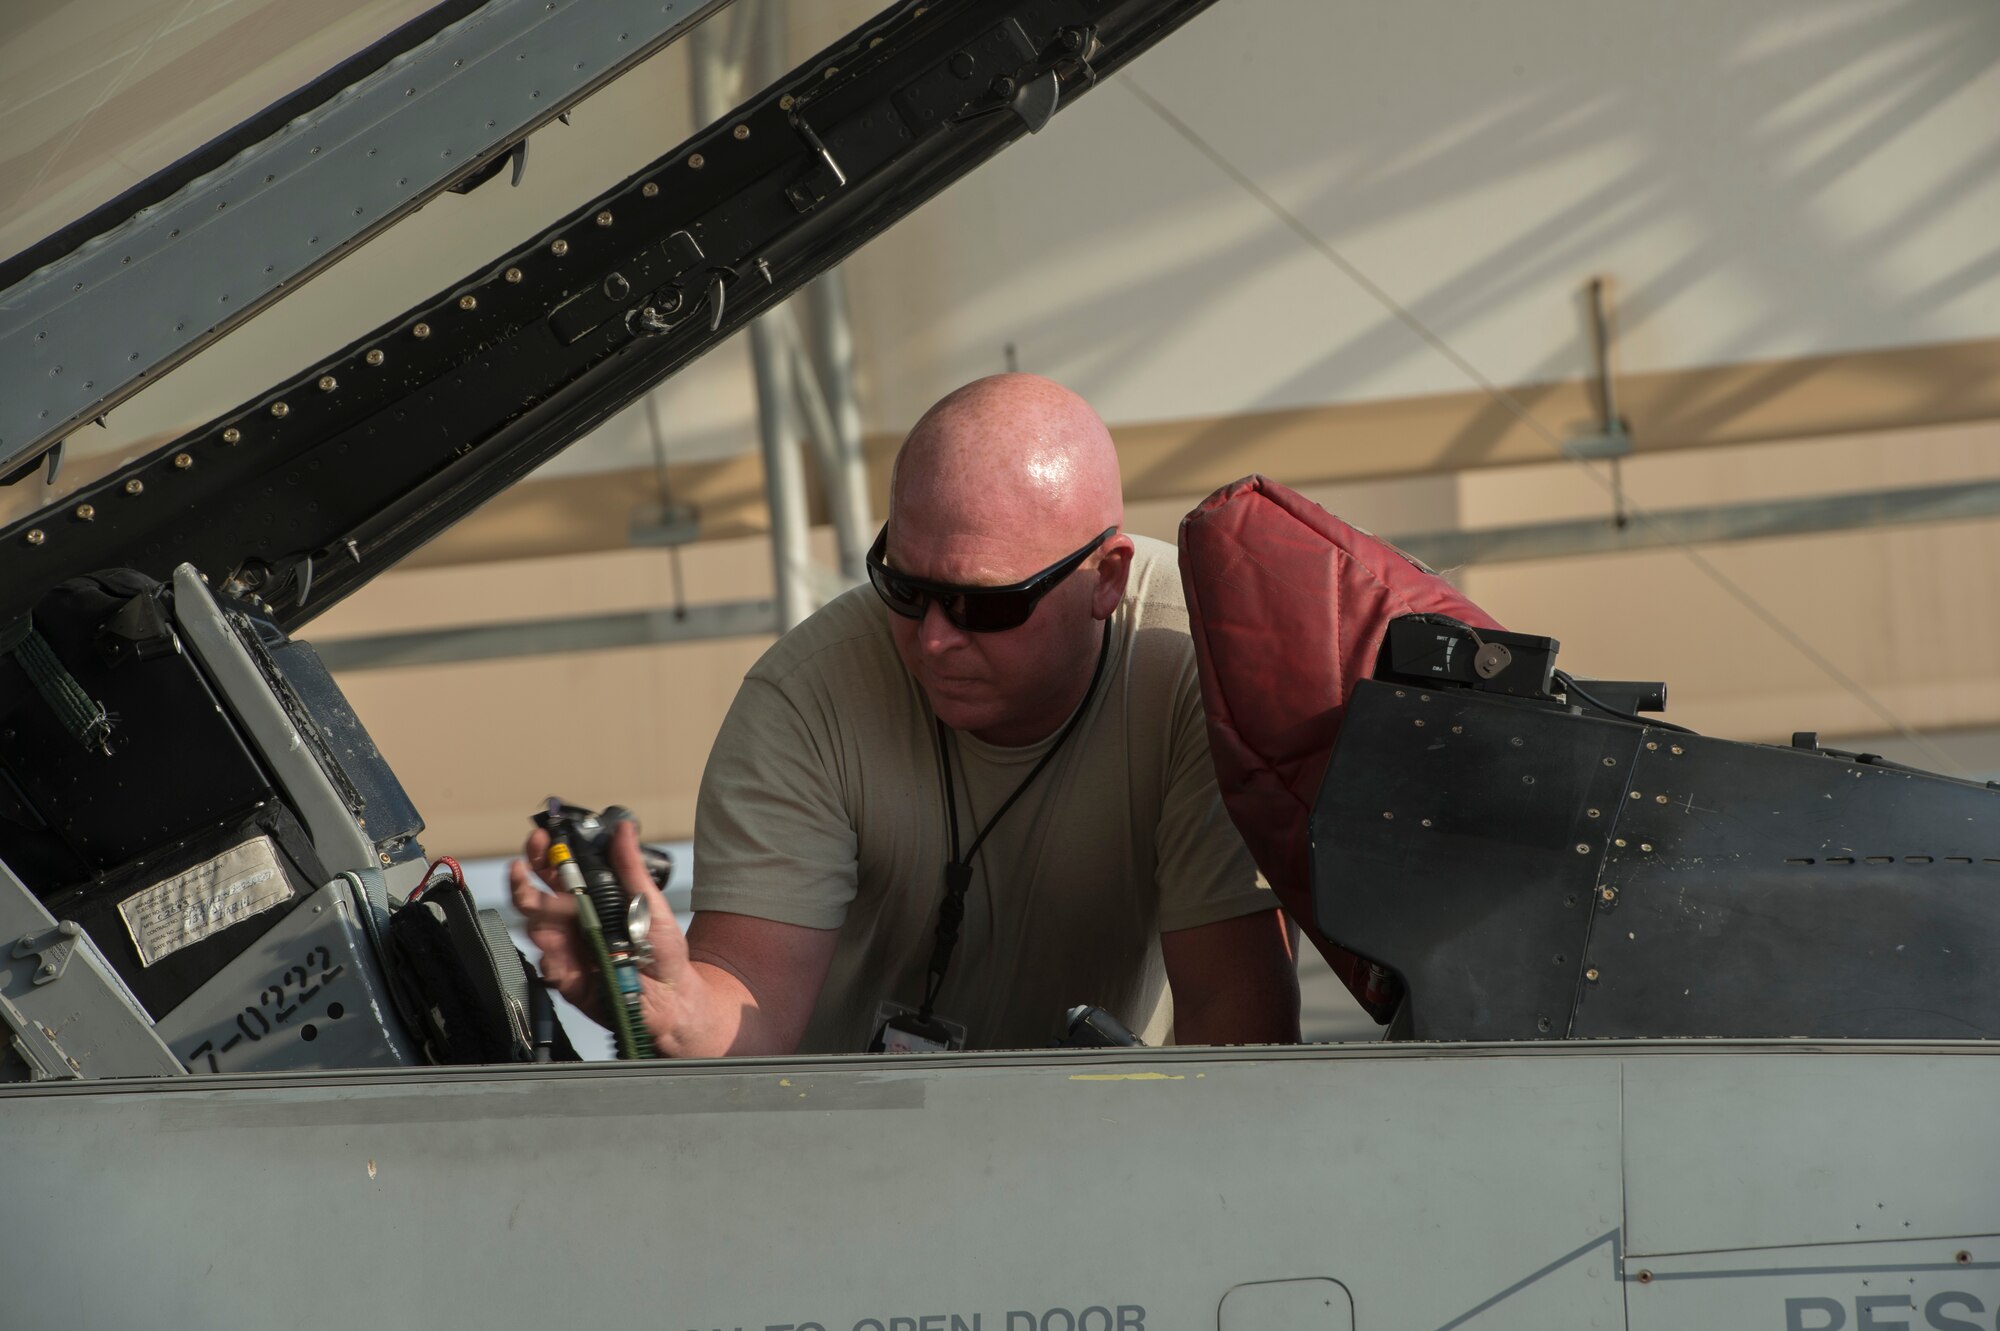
(1289,606)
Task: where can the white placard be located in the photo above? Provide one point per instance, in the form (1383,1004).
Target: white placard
(240,882)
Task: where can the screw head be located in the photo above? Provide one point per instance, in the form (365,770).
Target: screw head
(604,219)
(280,410)
(787,102)
(513,274)
(182,461)
(1608,893)
(559,248)
(85,512)
(1591,813)
(1583,848)
(740,133)
(1645,1277)
(1679,749)
(135,486)
(1591,975)
(468,302)
(649,190)
(384,857)
(375,357)
(327,383)
(1645,845)
(232,435)
(1611,762)
(1388,817)
(421,330)
(36,536)
(1651,744)
(697,161)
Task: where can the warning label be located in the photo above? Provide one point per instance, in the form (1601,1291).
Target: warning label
(243,881)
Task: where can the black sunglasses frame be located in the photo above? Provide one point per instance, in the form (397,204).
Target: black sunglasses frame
(971,608)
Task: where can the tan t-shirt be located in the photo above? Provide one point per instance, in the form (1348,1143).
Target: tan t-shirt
(822,806)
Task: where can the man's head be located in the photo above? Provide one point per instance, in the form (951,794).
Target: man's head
(1001,479)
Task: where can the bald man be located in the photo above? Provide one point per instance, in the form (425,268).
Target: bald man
(959,801)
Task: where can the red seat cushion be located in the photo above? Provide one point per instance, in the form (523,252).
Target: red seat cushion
(1288,606)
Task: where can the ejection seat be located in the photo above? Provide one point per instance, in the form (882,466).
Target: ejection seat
(1289,608)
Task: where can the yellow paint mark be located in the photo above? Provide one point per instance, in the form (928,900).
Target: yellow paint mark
(784,1081)
(371,1169)
(1126,1076)
(1199,1075)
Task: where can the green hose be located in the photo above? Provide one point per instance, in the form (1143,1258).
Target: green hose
(621,1025)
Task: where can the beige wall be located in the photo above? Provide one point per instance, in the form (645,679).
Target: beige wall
(479,745)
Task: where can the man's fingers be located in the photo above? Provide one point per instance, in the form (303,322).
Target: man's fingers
(558,966)
(532,901)
(664,932)
(521,887)
(627,861)
(549,914)
(536,851)
(561,964)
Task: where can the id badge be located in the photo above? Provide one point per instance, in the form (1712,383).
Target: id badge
(899,1030)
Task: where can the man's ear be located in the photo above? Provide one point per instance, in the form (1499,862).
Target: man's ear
(1114,566)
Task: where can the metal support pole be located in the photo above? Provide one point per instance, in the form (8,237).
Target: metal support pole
(811,401)
(847,476)
(838,457)
(1612,440)
(715,85)
(784,472)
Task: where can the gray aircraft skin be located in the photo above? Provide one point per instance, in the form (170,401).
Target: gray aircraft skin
(1641,1185)
(264,1143)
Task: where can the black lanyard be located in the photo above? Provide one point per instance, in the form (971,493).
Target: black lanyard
(958,870)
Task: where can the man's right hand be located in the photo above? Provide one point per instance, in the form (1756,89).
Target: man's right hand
(740,985)
(549,914)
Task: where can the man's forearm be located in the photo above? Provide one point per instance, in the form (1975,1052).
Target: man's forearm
(710,1013)
(1263,1016)
(1234,981)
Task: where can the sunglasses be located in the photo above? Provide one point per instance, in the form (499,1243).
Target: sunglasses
(974,609)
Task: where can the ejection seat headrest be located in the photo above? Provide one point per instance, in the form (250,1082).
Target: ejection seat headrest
(1288,606)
